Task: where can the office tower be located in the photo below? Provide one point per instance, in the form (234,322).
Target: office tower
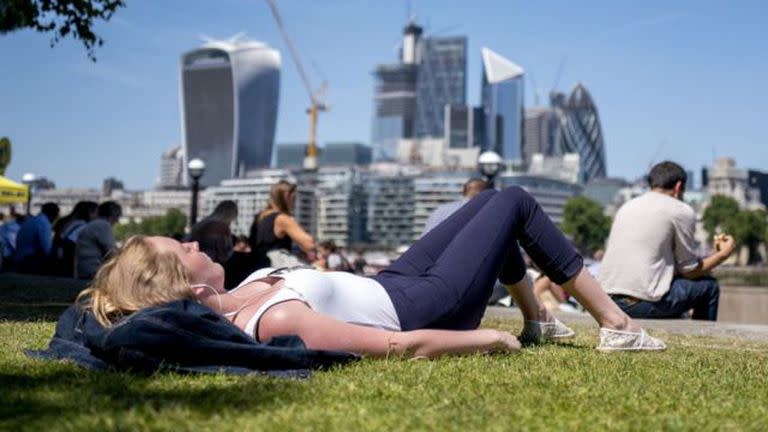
(502,101)
(394,110)
(111,184)
(291,155)
(171,169)
(580,131)
(345,153)
(229,95)
(540,132)
(411,95)
(464,126)
(441,81)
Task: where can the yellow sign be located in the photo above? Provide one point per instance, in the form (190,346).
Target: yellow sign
(12,192)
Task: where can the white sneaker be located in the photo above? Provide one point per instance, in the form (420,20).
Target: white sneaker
(536,332)
(618,340)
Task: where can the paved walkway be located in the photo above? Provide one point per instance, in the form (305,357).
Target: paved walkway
(751,332)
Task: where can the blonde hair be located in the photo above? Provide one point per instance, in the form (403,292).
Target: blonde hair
(135,277)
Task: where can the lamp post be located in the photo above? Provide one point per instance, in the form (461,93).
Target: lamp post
(196,168)
(29,180)
(490,164)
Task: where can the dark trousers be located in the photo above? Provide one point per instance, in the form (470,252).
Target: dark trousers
(445,279)
(702,295)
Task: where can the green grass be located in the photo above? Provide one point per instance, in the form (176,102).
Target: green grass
(699,384)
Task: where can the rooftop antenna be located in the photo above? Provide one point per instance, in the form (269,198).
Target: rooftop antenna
(536,90)
(559,72)
(408,12)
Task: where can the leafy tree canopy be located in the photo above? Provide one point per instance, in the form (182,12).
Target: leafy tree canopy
(171,225)
(721,213)
(74,18)
(749,229)
(585,221)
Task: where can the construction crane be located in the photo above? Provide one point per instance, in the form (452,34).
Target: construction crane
(316,104)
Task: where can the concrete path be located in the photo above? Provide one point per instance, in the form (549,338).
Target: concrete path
(750,332)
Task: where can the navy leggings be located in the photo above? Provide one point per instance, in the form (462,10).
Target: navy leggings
(445,279)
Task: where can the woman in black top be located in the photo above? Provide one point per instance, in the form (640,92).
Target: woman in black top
(275,228)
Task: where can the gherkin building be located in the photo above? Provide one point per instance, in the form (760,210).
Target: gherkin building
(580,131)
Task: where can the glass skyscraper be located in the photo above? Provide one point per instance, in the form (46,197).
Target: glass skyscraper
(441,81)
(502,102)
(395,108)
(229,96)
(411,95)
(580,131)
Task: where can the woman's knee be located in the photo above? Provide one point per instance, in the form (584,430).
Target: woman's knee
(519,197)
(517,193)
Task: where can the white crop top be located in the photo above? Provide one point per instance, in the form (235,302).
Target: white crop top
(341,295)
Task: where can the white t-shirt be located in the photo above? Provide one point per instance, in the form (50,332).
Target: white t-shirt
(341,295)
(651,240)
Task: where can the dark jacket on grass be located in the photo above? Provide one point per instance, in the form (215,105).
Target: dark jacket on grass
(182,336)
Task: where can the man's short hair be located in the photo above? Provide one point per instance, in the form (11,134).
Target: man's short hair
(50,210)
(110,210)
(665,175)
(473,186)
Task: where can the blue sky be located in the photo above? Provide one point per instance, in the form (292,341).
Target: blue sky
(681,80)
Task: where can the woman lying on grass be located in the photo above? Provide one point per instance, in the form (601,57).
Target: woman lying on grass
(427,303)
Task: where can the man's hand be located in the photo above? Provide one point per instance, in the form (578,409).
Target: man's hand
(725,244)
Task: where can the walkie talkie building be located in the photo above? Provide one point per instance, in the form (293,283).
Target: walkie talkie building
(229,96)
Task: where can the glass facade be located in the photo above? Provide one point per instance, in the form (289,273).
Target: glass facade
(229,97)
(441,81)
(209,115)
(580,131)
(540,132)
(394,110)
(502,102)
(464,127)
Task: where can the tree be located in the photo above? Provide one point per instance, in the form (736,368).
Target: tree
(720,215)
(64,18)
(171,225)
(585,221)
(748,229)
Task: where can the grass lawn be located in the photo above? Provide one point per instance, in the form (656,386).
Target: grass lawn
(700,383)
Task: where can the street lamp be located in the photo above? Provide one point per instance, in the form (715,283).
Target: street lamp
(490,164)
(29,180)
(196,168)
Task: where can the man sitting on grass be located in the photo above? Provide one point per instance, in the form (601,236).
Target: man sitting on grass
(650,268)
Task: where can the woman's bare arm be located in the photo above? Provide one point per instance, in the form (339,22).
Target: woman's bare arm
(319,331)
(287,225)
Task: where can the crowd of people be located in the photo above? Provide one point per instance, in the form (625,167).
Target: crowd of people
(74,245)
(429,302)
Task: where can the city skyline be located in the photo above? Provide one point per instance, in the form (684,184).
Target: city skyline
(666,84)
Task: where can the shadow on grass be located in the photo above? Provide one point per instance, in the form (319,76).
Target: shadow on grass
(23,312)
(68,393)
